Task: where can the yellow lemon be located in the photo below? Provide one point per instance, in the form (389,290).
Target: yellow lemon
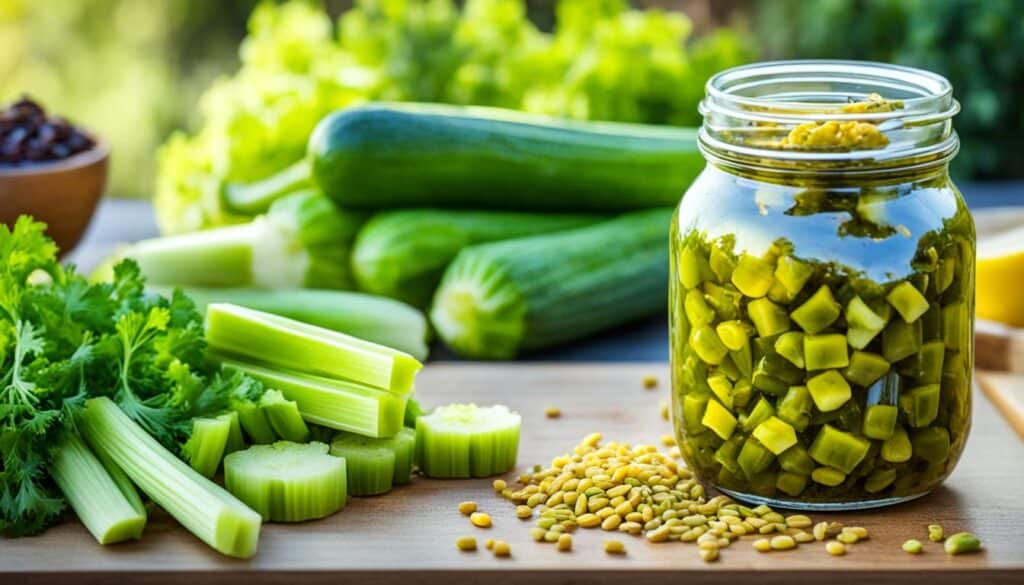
(1000,292)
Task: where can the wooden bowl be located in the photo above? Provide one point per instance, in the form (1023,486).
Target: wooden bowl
(61,193)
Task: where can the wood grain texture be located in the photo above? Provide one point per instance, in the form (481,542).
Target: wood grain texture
(1006,391)
(407,537)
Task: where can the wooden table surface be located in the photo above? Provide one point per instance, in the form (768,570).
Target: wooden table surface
(407,537)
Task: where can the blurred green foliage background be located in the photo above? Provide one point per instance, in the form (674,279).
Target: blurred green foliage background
(135,70)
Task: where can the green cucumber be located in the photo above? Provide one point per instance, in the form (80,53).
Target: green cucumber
(402,254)
(499,299)
(379,156)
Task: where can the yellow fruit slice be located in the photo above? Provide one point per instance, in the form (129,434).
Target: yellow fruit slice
(1000,277)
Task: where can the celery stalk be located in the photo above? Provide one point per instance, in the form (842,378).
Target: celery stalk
(253,198)
(205,447)
(109,507)
(337,404)
(378,319)
(303,241)
(254,422)
(282,342)
(284,417)
(465,440)
(204,508)
(375,465)
(220,257)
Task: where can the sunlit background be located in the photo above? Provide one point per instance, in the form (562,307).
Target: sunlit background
(170,76)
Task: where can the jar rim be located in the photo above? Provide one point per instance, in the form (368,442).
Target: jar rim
(748,109)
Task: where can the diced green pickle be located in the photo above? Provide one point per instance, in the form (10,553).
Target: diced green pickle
(743,360)
(954,322)
(897,448)
(862,323)
(879,480)
(931,444)
(790,345)
(793,274)
(724,299)
(932,356)
(693,268)
(707,345)
(752,276)
(693,412)
(829,390)
(698,312)
(734,334)
(769,318)
(828,476)
(908,301)
(796,460)
(920,405)
(754,458)
(795,407)
(762,411)
(900,340)
(727,453)
(866,368)
(791,483)
(722,388)
(818,312)
(742,391)
(775,434)
(823,352)
(835,448)
(721,264)
(719,419)
(880,421)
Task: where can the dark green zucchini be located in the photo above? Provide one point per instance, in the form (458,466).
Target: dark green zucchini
(499,299)
(402,254)
(379,156)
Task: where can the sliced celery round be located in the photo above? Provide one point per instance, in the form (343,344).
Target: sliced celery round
(287,482)
(466,440)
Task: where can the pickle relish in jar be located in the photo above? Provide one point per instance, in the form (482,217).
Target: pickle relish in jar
(822,290)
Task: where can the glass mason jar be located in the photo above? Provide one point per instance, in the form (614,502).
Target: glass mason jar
(822,290)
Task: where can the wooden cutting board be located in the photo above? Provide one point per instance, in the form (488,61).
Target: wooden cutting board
(407,537)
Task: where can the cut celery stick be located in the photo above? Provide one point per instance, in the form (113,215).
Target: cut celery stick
(796,460)
(375,465)
(201,506)
(254,422)
(465,440)
(284,417)
(205,448)
(381,320)
(897,448)
(283,342)
(337,404)
(288,482)
(235,442)
(412,411)
(791,483)
(697,310)
(220,257)
(110,509)
(761,412)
